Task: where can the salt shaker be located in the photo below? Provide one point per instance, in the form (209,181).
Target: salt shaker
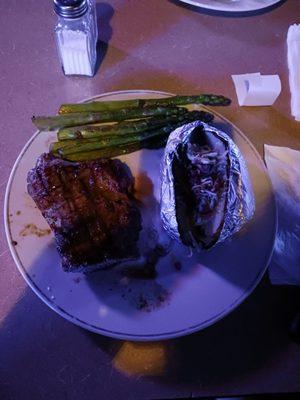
(76,35)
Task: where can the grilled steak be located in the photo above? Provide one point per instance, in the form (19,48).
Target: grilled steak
(91,209)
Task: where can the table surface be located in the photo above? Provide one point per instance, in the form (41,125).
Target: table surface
(159,45)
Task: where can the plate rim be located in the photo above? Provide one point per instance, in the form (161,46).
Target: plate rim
(129,336)
(197,3)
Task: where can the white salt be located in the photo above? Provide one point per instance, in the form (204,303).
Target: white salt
(74,50)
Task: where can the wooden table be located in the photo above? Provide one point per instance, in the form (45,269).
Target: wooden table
(157,45)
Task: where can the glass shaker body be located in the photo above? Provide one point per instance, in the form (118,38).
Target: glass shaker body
(76,40)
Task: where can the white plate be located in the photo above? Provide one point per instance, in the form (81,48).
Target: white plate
(232,5)
(208,286)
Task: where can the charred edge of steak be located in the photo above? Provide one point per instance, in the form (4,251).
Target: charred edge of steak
(90,207)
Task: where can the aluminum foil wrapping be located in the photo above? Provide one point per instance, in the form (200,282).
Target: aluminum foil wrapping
(240,203)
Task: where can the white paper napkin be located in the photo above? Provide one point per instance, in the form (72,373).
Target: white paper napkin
(256,89)
(284,169)
(293,56)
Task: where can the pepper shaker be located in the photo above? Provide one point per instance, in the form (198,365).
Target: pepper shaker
(76,36)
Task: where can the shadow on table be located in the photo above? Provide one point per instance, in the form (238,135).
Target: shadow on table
(240,343)
(228,14)
(105,13)
(69,359)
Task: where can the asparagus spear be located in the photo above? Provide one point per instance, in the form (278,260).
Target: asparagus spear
(155,142)
(91,143)
(73,119)
(97,106)
(84,145)
(55,147)
(110,152)
(119,129)
(129,127)
(104,153)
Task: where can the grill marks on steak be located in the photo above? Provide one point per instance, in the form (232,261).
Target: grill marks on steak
(90,207)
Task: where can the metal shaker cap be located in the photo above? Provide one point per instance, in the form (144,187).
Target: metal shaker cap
(70,8)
